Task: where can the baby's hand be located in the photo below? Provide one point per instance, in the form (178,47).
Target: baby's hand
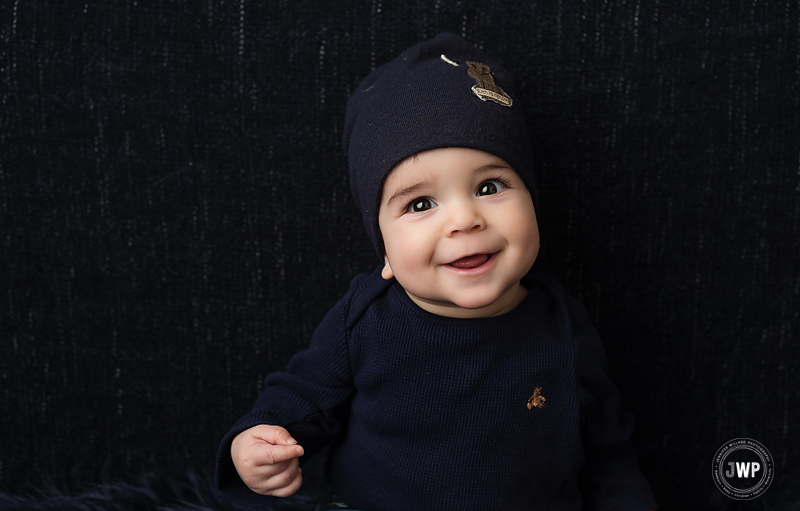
(266,458)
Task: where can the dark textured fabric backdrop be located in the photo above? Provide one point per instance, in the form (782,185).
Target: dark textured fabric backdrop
(175,215)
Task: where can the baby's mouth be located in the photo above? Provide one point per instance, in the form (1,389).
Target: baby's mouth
(472,261)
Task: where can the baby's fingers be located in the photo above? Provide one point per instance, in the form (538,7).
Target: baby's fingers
(275,435)
(274,454)
(286,484)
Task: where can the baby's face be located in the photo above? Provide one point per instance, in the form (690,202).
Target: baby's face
(459,231)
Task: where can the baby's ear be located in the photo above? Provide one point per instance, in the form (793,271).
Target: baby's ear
(386,272)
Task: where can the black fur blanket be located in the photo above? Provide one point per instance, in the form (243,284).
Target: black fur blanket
(149,493)
(193,492)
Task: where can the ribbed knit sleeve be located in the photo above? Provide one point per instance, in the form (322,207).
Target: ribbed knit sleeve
(309,399)
(610,478)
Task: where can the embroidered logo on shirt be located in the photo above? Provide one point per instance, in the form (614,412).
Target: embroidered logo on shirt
(484,87)
(537,399)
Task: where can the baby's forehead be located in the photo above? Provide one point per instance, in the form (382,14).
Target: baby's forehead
(438,161)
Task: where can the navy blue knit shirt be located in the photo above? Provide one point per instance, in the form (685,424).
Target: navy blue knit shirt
(433,413)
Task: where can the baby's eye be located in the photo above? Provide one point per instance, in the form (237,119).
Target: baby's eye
(490,187)
(420,205)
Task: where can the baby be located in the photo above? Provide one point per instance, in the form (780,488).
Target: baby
(451,377)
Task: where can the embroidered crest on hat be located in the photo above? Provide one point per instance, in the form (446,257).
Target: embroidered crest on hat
(484,87)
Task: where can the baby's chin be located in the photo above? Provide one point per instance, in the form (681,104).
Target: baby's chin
(476,304)
(479,305)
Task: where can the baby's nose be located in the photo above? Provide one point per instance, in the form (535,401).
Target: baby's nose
(465,217)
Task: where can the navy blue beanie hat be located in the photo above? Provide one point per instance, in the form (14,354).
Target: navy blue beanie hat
(439,93)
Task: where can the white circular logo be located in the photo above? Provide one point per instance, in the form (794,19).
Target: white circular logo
(742,469)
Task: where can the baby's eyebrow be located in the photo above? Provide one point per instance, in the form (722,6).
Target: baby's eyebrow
(493,167)
(408,191)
